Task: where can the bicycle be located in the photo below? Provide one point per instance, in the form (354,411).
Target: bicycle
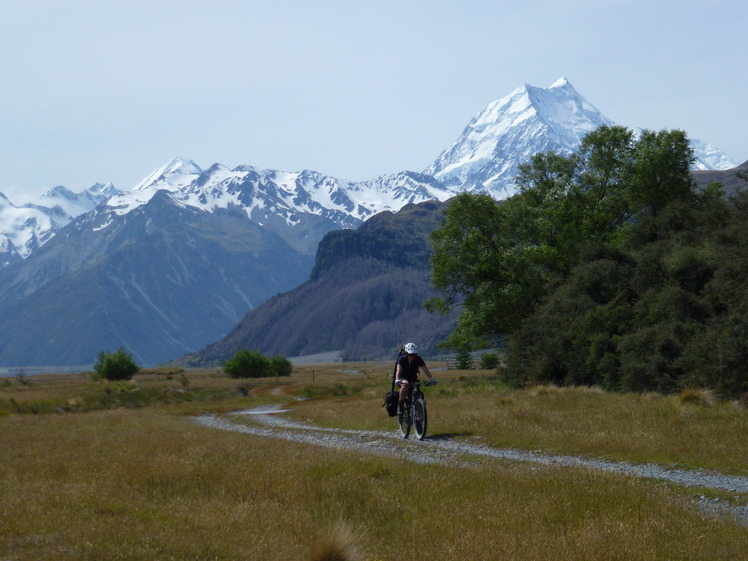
(414,414)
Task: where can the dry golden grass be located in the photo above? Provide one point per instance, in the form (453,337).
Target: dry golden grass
(702,433)
(148,484)
(141,485)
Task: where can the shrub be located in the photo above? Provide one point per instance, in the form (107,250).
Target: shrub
(489,361)
(247,364)
(118,365)
(280,366)
(253,364)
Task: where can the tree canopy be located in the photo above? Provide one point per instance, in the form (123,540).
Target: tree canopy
(605,268)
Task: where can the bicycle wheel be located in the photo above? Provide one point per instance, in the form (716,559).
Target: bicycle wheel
(404,420)
(420,420)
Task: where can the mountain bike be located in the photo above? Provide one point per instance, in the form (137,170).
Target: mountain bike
(415,414)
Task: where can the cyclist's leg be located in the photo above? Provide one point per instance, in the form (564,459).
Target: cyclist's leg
(404,418)
(404,391)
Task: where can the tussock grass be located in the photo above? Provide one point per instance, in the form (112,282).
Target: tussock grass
(337,544)
(142,482)
(697,396)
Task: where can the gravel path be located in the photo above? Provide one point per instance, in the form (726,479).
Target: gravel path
(270,422)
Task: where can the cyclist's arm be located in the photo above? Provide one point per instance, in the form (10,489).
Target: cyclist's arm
(428,373)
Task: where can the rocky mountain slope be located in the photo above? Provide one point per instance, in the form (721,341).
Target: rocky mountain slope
(732,180)
(365,296)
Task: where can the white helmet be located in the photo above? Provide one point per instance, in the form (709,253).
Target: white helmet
(411,348)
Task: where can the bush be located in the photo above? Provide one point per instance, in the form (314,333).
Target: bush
(253,364)
(118,365)
(489,361)
(247,364)
(280,366)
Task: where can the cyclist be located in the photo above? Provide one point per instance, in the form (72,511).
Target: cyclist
(407,371)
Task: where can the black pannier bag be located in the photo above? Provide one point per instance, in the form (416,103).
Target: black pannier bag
(393,396)
(390,403)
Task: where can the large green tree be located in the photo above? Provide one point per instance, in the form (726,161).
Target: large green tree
(499,260)
(606,268)
(657,313)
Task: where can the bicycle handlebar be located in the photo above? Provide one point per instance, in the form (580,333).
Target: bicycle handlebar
(418,383)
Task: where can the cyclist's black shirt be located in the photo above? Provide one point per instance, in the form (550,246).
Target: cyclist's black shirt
(408,369)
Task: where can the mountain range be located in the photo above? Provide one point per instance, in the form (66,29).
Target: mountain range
(175,263)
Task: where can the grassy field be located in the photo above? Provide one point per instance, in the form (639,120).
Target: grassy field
(95,470)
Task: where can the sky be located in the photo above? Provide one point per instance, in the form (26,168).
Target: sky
(99,91)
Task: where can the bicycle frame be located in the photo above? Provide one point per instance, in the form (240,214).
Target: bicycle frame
(415,412)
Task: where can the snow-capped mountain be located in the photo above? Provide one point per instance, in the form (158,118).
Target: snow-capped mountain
(287,203)
(75,204)
(529,120)
(25,228)
(285,193)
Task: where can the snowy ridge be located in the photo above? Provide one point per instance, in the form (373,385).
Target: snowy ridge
(710,157)
(177,173)
(25,228)
(280,193)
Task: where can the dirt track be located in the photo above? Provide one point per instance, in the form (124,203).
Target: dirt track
(441,449)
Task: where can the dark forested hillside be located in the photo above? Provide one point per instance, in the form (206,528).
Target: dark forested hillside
(365,296)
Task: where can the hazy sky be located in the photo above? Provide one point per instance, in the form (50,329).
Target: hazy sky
(107,91)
